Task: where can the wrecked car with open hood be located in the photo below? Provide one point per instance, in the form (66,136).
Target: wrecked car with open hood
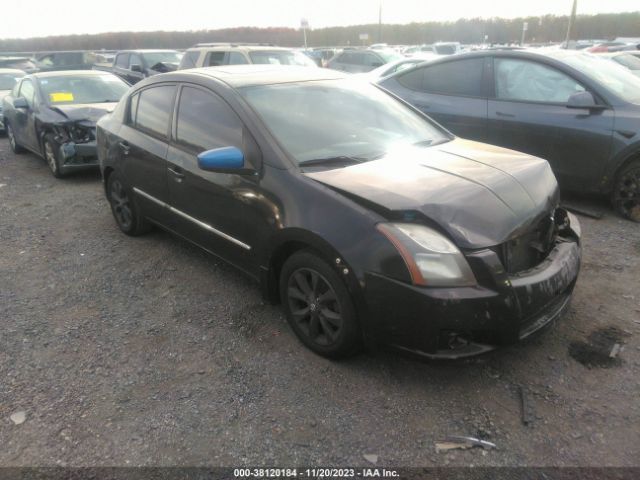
(54,115)
(369,222)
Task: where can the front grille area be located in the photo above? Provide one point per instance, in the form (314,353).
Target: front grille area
(531,248)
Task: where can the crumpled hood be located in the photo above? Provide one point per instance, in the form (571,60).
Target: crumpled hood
(91,112)
(480,194)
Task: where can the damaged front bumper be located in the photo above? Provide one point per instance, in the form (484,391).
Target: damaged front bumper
(77,150)
(76,156)
(450,323)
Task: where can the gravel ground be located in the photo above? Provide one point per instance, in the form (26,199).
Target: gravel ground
(146,351)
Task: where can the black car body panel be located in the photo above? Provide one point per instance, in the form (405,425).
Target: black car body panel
(586,147)
(485,198)
(479,194)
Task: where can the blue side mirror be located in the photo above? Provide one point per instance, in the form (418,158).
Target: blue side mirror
(225,158)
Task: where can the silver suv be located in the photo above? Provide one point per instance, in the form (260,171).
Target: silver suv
(216,54)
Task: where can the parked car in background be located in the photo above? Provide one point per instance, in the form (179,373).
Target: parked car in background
(53,114)
(68,60)
(321,55)
(362,60)
(440,48)
(8,79)
(135,65)
(580,112)
(628,59)
(396,66)
(354,210)
(20,63)
(216,54)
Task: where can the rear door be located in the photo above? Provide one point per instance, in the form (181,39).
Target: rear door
(121,66)
(144,141)
(215,210)
(135,77)
(529,113)
(454,93)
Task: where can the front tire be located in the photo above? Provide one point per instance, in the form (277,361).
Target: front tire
(318,306)
(15,146)
(626,192)
(124,208)
(52,156)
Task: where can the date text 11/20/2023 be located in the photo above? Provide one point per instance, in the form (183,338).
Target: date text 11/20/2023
(315,473)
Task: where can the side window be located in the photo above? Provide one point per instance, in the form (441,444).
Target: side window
(47,60)
(122,60)
(28,91)
(135,60)
(215,59)
(236,58)
(190,59)
(205,121)
(532,82)
(373,60)
(346,57)
(458,77)
(357,58)
(154,110)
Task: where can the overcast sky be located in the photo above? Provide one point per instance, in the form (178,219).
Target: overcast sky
(91,16)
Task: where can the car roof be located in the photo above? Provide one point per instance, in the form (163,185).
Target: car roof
(69,73)
(237,46)
(148,50)
(12,70)
(237,76)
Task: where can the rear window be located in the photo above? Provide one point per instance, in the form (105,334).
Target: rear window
(189,60)
(461,78)
(215,59)
(154,109)
(122,60)
(281,57)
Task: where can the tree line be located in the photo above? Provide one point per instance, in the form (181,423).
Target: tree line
(548,28)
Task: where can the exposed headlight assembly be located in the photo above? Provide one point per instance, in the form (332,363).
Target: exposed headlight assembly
(432,259)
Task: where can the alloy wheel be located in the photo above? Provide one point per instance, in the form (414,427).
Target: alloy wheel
(314,306)
(121,204)
(50,157)
(12,138)
(627,195)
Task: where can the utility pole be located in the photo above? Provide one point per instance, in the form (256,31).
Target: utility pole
(572,19)
(525,27)
(380,22)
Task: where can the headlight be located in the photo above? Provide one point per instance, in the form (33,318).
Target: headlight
(432,259)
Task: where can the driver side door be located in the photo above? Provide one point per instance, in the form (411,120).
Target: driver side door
(24,121)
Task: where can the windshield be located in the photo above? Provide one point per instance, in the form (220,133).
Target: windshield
(154,58)
(281,57)
(339,118)
(70,90)
(630,61)
(614,78)
(8,80)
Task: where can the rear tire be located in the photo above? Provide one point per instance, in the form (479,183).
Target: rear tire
(15,146)
(124,208)
(626,192)
(52,156)
(318,306)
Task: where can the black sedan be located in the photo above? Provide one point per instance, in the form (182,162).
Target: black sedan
(576,110)
(54,115)
(370,223)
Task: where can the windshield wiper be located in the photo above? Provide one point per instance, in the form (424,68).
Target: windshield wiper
(331,161)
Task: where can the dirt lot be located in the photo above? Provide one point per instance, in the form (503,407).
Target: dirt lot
(146,351)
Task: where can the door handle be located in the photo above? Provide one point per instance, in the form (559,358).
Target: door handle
(177,172)
(507,115)
(125,147)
